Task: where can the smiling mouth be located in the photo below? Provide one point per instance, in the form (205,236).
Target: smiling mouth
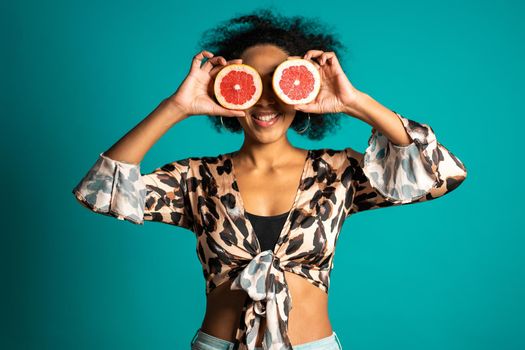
(266,119)
(266,116)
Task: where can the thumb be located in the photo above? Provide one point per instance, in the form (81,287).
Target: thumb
(305,108)
(232,112)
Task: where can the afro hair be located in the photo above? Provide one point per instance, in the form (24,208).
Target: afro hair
(295,35)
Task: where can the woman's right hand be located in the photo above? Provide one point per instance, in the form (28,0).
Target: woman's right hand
(194,95)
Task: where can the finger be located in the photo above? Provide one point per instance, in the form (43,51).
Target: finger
(307,108)
(230,112)
(315,64)
(333,61)
(313,54)
(235,61)
(212,62)
(325,56)
(197,59)
(217,69)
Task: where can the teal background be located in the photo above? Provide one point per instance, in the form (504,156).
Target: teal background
(77,75)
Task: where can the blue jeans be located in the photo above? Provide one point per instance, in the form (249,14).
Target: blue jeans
(205,341)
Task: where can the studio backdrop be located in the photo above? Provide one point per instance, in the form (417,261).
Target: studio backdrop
(77,75)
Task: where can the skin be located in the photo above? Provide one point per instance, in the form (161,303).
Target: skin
(268,157)
(265,157)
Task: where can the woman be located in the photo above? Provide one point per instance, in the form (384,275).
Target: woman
(272,247)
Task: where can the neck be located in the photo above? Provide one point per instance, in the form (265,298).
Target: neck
(264,155)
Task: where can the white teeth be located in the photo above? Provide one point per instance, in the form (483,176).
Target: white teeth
(266,117)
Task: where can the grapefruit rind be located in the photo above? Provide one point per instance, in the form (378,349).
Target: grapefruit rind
(243,68)
(277,75)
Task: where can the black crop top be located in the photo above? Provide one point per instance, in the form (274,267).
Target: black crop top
(267,228)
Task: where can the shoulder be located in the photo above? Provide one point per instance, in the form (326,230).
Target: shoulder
(204,166)
(330,155)
(194,161)
(340,160)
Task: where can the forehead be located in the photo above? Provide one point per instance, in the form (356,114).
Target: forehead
(264,58)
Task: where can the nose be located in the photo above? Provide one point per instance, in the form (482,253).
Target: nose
(268,96)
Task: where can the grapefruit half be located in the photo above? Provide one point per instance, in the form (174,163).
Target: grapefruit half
(237,86)
(296,81)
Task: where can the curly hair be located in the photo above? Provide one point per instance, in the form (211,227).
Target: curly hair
(295,35)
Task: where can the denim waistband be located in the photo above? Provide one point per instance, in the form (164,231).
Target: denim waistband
(210,340)
(326,343)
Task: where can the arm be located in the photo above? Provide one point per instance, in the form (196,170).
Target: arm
(114,185)
(395,173)
(133,146)
(403,163)
(379,117)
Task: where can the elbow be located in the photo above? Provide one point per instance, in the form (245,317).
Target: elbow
(447,181)
(136,218)
(453,182)
(89,202)
(459,176)
(452,170)
(82,200)
(450,183)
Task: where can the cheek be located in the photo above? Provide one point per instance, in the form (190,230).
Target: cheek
(288,109)
(289,115)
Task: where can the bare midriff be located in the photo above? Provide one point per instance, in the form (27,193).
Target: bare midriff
(308,319)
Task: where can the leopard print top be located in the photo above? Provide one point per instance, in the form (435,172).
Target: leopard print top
(201,194)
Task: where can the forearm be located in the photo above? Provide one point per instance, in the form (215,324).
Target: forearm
(379,117)
(133,146)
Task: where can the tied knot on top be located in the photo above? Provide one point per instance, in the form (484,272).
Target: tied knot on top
(264,280)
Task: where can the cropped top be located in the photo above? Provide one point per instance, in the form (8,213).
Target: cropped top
(267,228)
(201,195)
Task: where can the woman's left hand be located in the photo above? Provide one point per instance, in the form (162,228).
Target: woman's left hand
(336,94)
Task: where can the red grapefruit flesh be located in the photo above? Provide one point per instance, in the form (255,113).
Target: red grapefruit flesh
(237,86)
(296,81)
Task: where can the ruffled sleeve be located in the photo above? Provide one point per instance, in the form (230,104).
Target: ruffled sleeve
(119,189)
(388,174)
